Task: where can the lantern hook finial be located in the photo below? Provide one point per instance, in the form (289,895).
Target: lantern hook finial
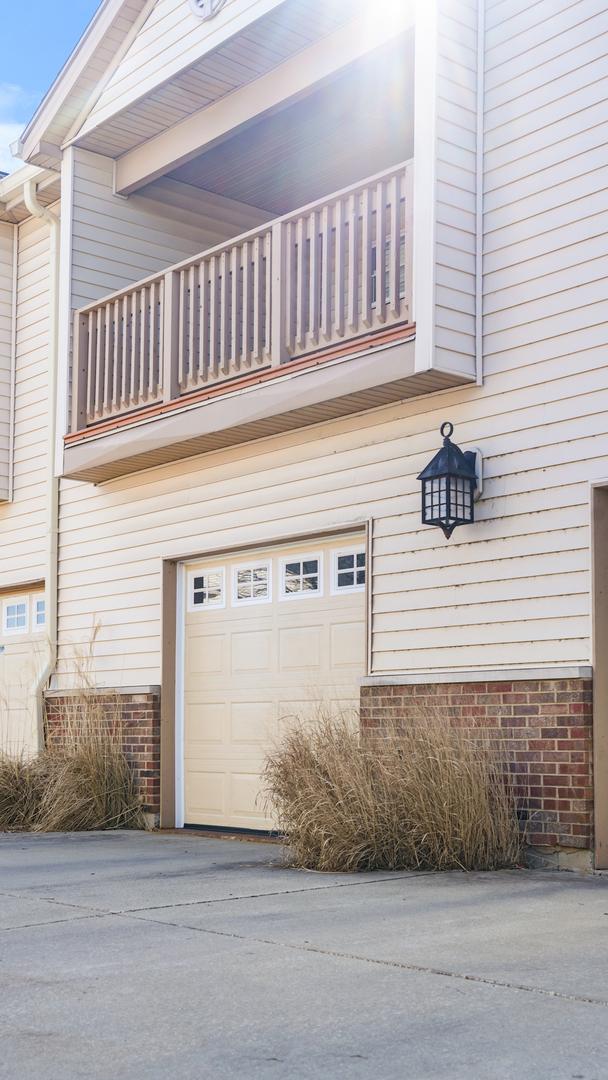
(446,429)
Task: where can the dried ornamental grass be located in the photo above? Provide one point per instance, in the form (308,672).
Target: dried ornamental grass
(82,782)
(428,796)
(20,791)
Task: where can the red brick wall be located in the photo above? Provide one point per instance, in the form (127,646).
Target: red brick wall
(547,730)
(140,716)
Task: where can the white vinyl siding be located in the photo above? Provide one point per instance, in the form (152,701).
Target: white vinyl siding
(455,210)
(8,238)
(22,522)
(512,590)
(117,241)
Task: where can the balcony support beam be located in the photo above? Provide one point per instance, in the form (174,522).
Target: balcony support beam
(278,89)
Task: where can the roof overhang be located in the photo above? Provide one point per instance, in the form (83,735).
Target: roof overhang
(72,87)
(12,202)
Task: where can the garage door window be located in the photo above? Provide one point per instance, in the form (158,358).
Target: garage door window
(251,584)
(207,589)
(301,577)
(348,570)
(15,617)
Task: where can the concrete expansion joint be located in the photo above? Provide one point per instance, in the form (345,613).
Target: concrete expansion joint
(52,922)
(100,913)
(281,892)
(417,969)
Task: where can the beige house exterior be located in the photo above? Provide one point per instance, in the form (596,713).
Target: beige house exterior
(294,239)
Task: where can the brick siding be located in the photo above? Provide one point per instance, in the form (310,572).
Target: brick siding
(140,715)
(546,726)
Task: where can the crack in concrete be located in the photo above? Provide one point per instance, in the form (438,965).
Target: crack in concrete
(418,969)
(52,922)
(261,896)
(140,915)
(215,900)
(56,903)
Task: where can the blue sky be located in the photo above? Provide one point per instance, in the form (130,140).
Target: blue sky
(37,38)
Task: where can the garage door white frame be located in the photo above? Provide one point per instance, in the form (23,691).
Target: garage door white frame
(180,624)
(180,649)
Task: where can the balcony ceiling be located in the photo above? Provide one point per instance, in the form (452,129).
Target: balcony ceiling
(245,57)
(359,123)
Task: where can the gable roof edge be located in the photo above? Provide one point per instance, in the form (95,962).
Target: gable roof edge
(74,67)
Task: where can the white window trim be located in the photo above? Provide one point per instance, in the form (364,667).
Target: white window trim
(36,626)
(192,574)
(248,601)
(340,590)
(308,595)
(15,630)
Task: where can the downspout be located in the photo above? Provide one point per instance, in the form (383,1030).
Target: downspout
(34,207)
(13,387)
(479,185)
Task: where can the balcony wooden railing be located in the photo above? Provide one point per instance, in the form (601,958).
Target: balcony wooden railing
(328,273)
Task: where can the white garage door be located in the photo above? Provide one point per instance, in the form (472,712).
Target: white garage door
(24,655)
(268,637)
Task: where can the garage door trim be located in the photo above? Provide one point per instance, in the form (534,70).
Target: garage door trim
(173,650)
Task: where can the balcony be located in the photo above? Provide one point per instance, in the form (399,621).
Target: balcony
(205,348)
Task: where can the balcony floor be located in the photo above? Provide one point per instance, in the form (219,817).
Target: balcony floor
(376,374)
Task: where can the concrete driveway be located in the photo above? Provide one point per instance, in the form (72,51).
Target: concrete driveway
(181,958)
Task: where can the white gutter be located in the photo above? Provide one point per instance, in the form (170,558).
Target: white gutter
(32,204)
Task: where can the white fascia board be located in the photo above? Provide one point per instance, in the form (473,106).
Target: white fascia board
(95,94)
(71,71)
(277,89)
(205,38)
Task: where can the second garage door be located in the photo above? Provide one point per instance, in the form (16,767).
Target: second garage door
(268,638)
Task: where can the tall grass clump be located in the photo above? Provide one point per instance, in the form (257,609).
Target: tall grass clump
(425,796)
(82,780)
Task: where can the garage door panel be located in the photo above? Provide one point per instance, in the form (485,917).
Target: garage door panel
(347,645)
(300,648)
(247,800)
(252,651)
(253,670)
(253,722)
(206,795)
(307,710)
(206,654)
(205,721)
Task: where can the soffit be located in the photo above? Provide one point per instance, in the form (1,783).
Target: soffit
(12,206)
(94,56)
(359,123)
(256,50)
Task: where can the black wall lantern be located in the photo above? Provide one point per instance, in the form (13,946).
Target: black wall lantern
(448,485)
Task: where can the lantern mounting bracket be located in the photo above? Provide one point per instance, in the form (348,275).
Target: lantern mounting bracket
(478,459)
